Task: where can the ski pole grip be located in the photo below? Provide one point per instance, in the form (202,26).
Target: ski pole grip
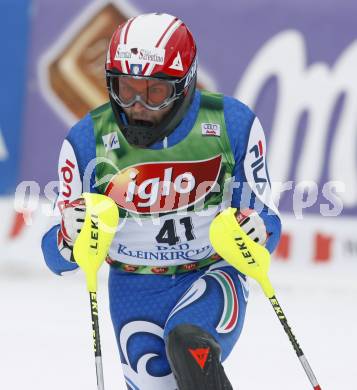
(93,242)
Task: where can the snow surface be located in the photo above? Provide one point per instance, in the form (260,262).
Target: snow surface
(46,340)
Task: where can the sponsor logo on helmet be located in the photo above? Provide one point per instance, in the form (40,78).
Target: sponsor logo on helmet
(140,55)
(177,63)
(160,187)
(191,73)
(136,69)
(211,129)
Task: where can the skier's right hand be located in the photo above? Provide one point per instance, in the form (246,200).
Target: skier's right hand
(73,215)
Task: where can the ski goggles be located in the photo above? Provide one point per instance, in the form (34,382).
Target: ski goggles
(152,93)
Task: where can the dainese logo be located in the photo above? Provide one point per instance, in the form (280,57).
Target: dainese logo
(159,187)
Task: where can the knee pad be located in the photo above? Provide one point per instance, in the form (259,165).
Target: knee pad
(194,357)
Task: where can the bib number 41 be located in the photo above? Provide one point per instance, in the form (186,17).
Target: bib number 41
(167,234)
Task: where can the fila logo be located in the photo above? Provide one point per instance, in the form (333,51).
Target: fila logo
(111,141)
(177,63)
(258,167)
(211,129)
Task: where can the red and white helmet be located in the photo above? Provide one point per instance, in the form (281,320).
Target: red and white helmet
(152,48)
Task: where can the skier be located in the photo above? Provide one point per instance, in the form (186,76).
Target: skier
(171,157)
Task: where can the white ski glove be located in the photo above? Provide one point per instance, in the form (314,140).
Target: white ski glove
(253,225)
(73,215)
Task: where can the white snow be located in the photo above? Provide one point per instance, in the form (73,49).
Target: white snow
(46,343)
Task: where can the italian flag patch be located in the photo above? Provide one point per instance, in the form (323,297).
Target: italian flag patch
(230,312)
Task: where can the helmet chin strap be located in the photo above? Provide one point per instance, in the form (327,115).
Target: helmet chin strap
(140,136)
(145,136)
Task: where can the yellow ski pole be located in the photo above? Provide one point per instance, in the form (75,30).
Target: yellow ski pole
(252,259)
(90,250)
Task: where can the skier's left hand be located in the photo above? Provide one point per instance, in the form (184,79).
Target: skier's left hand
(253,225)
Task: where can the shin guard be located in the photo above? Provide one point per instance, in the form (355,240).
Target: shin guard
(194,357)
